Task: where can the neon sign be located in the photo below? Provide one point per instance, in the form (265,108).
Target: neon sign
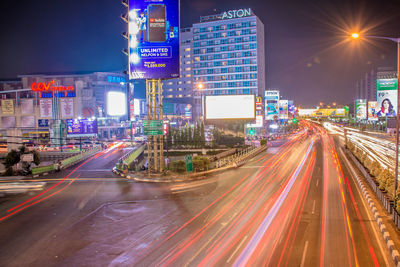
(49,87)
(231,14)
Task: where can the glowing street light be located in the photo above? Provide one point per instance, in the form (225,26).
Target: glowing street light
(355,35)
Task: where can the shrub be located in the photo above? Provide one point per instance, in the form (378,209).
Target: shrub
(382,178)
(178,166)
(263,142)
(200,163)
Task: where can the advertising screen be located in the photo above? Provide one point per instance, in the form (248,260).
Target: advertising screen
(76,127)
(271,104)
(361,109)
(230,107)
(116,103)
(386,95)
(372,110)
(153,39)
(283,109)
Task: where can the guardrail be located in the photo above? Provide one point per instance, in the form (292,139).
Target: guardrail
(129,158)
(67,162)
(239,157)
(383,198)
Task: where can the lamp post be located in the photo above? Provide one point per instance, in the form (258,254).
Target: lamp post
(396,40)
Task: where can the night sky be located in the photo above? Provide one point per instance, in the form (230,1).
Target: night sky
(307,55)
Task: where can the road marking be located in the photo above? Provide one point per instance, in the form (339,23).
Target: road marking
(303,258)
(317,182)
(367,209)
(313,207)
(236,250)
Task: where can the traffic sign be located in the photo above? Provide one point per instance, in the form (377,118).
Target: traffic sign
(153,127)
(189,163)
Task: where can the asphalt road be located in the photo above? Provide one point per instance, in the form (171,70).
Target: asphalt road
(295,205)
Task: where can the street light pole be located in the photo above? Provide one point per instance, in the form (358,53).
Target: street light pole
(397,41)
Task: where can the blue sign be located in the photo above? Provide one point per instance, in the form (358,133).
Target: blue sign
(153,39)
(81,127)
(43,123)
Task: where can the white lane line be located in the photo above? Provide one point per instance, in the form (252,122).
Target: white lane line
(317,182)
(313,207)
(238,247)
(374,226)
(303,258)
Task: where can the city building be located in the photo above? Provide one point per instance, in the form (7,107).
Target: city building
(34,102)
(228,55)
(178,93)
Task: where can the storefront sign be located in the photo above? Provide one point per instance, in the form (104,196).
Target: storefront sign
(46,108)
(49,87)
(232,14)
(67,107)
(43,123)
(7,107)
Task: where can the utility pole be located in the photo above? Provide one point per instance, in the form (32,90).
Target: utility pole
(155,141)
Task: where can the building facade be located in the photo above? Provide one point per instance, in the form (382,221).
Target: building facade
(228,55)
(35,102)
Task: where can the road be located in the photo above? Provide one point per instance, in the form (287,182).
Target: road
(295,205)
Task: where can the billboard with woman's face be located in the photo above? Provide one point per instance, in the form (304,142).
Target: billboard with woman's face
(386,95)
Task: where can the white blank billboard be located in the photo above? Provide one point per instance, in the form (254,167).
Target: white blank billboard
(116,103)
(230,107)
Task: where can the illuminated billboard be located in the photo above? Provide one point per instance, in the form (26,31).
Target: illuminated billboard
(153,39)
(271,104)
(386,95)
(372,110)
(283,109)
(81,127)
(361,109)
(230,107)
(116,103)
(323,112)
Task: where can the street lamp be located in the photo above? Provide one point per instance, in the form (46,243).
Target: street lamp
(396,40)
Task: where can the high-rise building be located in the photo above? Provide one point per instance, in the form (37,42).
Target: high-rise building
(228,55)
(178,93)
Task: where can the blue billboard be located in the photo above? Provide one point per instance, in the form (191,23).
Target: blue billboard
(153,39)
(77,127)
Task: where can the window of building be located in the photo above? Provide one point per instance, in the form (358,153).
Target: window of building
(187,49)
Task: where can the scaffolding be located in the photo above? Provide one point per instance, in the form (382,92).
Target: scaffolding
(155,149)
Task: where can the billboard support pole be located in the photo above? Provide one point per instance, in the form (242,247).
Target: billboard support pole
(155,146)
(397,127)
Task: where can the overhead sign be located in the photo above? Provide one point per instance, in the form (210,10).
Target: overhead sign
(153,127)
(85,127)
(240,13)
(153,39)
(386,95)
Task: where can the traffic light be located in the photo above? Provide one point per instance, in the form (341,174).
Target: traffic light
(294,120)
(252,131)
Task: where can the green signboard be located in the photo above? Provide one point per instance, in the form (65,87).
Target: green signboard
(153,127)
(386,84)
(189,163)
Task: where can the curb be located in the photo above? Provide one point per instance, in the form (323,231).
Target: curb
(191,177)
(382,227)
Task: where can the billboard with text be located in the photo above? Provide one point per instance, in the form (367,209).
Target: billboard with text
(271,104)
(153,39)
(386,96)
